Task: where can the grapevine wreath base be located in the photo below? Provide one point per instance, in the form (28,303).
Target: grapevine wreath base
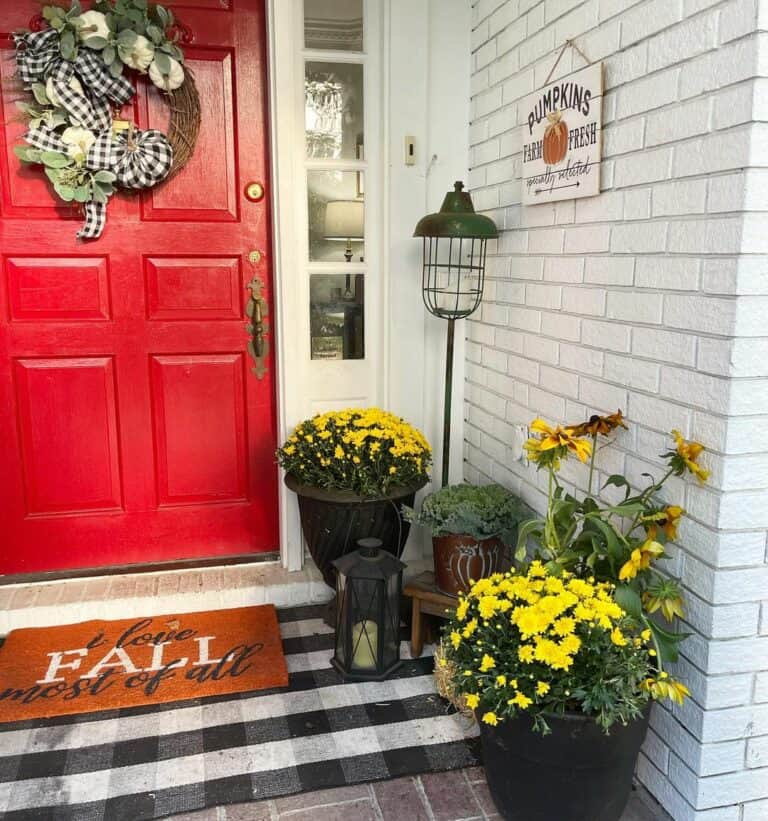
(73,69)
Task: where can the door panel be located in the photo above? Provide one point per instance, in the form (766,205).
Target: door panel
(198,194)
(71,458)
(132,426)
(207,393)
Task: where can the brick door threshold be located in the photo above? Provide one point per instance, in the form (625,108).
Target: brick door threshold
(129,595)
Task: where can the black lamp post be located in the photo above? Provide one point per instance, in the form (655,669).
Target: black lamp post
(453,275)
(368,585)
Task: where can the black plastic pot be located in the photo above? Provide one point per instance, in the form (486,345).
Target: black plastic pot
(333,520)
(577,773)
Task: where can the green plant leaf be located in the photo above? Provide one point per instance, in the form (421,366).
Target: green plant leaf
(98,195)
(57,23)
(162,16)
(163,62)
(22,152)
(66,192)
(109,54)
(155,34)
(67,44)
(611,540)
(53,159)
(52,174)
(106,187)
(82,193)
(628,599)
(38,92)
(96,43)
(116,69)
(667,642)
(104,176)
(51,13)
(127,37)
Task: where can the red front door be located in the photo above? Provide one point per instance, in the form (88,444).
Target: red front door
(132,428)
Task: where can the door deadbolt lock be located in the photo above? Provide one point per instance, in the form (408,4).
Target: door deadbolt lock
(254,192)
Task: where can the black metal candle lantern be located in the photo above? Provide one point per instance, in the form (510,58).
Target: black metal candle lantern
(368,586)
(453,275)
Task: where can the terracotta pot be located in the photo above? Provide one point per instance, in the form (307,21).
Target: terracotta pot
(576,773)
(459,558)
(333,520)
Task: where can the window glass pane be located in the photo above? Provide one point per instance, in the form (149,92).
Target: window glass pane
(337,316)
(333,24)
(336,216)
(333,110)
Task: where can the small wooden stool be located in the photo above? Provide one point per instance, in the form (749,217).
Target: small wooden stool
(428,601)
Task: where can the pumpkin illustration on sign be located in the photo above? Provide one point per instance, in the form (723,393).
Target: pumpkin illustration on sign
(555,141)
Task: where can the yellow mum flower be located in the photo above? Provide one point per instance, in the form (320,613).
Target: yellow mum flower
(491,718)
(521,700)
(487,663)
(526,653)
(461,610)
(339,452)
(469,629)
(618,638)
(472,700)
(501,680)
(455,639)
(542,688)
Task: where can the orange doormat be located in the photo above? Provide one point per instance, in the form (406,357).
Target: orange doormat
(104,665)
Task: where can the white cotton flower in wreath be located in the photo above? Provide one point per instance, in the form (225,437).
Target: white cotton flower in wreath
(93,24)
(170,81)
(78,141)
(139,55)
(50,91)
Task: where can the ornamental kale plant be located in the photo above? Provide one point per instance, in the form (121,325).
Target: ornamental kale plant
(481,512)
(539,644)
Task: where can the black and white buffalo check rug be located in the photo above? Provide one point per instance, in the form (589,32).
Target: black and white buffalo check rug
(151,762)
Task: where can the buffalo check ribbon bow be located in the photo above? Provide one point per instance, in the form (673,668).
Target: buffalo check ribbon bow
(139,159)
(38,57)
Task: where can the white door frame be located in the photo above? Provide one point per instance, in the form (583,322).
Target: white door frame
(417,69)
(304,386)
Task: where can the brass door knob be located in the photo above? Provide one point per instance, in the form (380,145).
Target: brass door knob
(254,192)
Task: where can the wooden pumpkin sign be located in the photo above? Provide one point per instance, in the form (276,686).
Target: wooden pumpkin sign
(562,128)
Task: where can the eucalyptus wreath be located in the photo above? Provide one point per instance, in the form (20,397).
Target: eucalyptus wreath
(73,69)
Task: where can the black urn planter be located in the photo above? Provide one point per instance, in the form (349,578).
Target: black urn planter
(576,773)
(333,520)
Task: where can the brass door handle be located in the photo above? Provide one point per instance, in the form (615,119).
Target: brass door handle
(256,310)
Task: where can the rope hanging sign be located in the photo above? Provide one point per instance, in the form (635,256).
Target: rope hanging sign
(562,135)
(71,63)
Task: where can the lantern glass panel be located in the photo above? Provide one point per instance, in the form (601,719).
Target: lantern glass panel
(341,617)
(365,600)
(391,637)
(453,275)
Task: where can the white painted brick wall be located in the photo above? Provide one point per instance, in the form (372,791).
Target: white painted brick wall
(652,297)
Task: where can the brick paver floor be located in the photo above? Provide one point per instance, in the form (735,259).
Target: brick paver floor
(461,795)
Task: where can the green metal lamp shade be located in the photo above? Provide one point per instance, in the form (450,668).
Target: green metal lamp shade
(456,219)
